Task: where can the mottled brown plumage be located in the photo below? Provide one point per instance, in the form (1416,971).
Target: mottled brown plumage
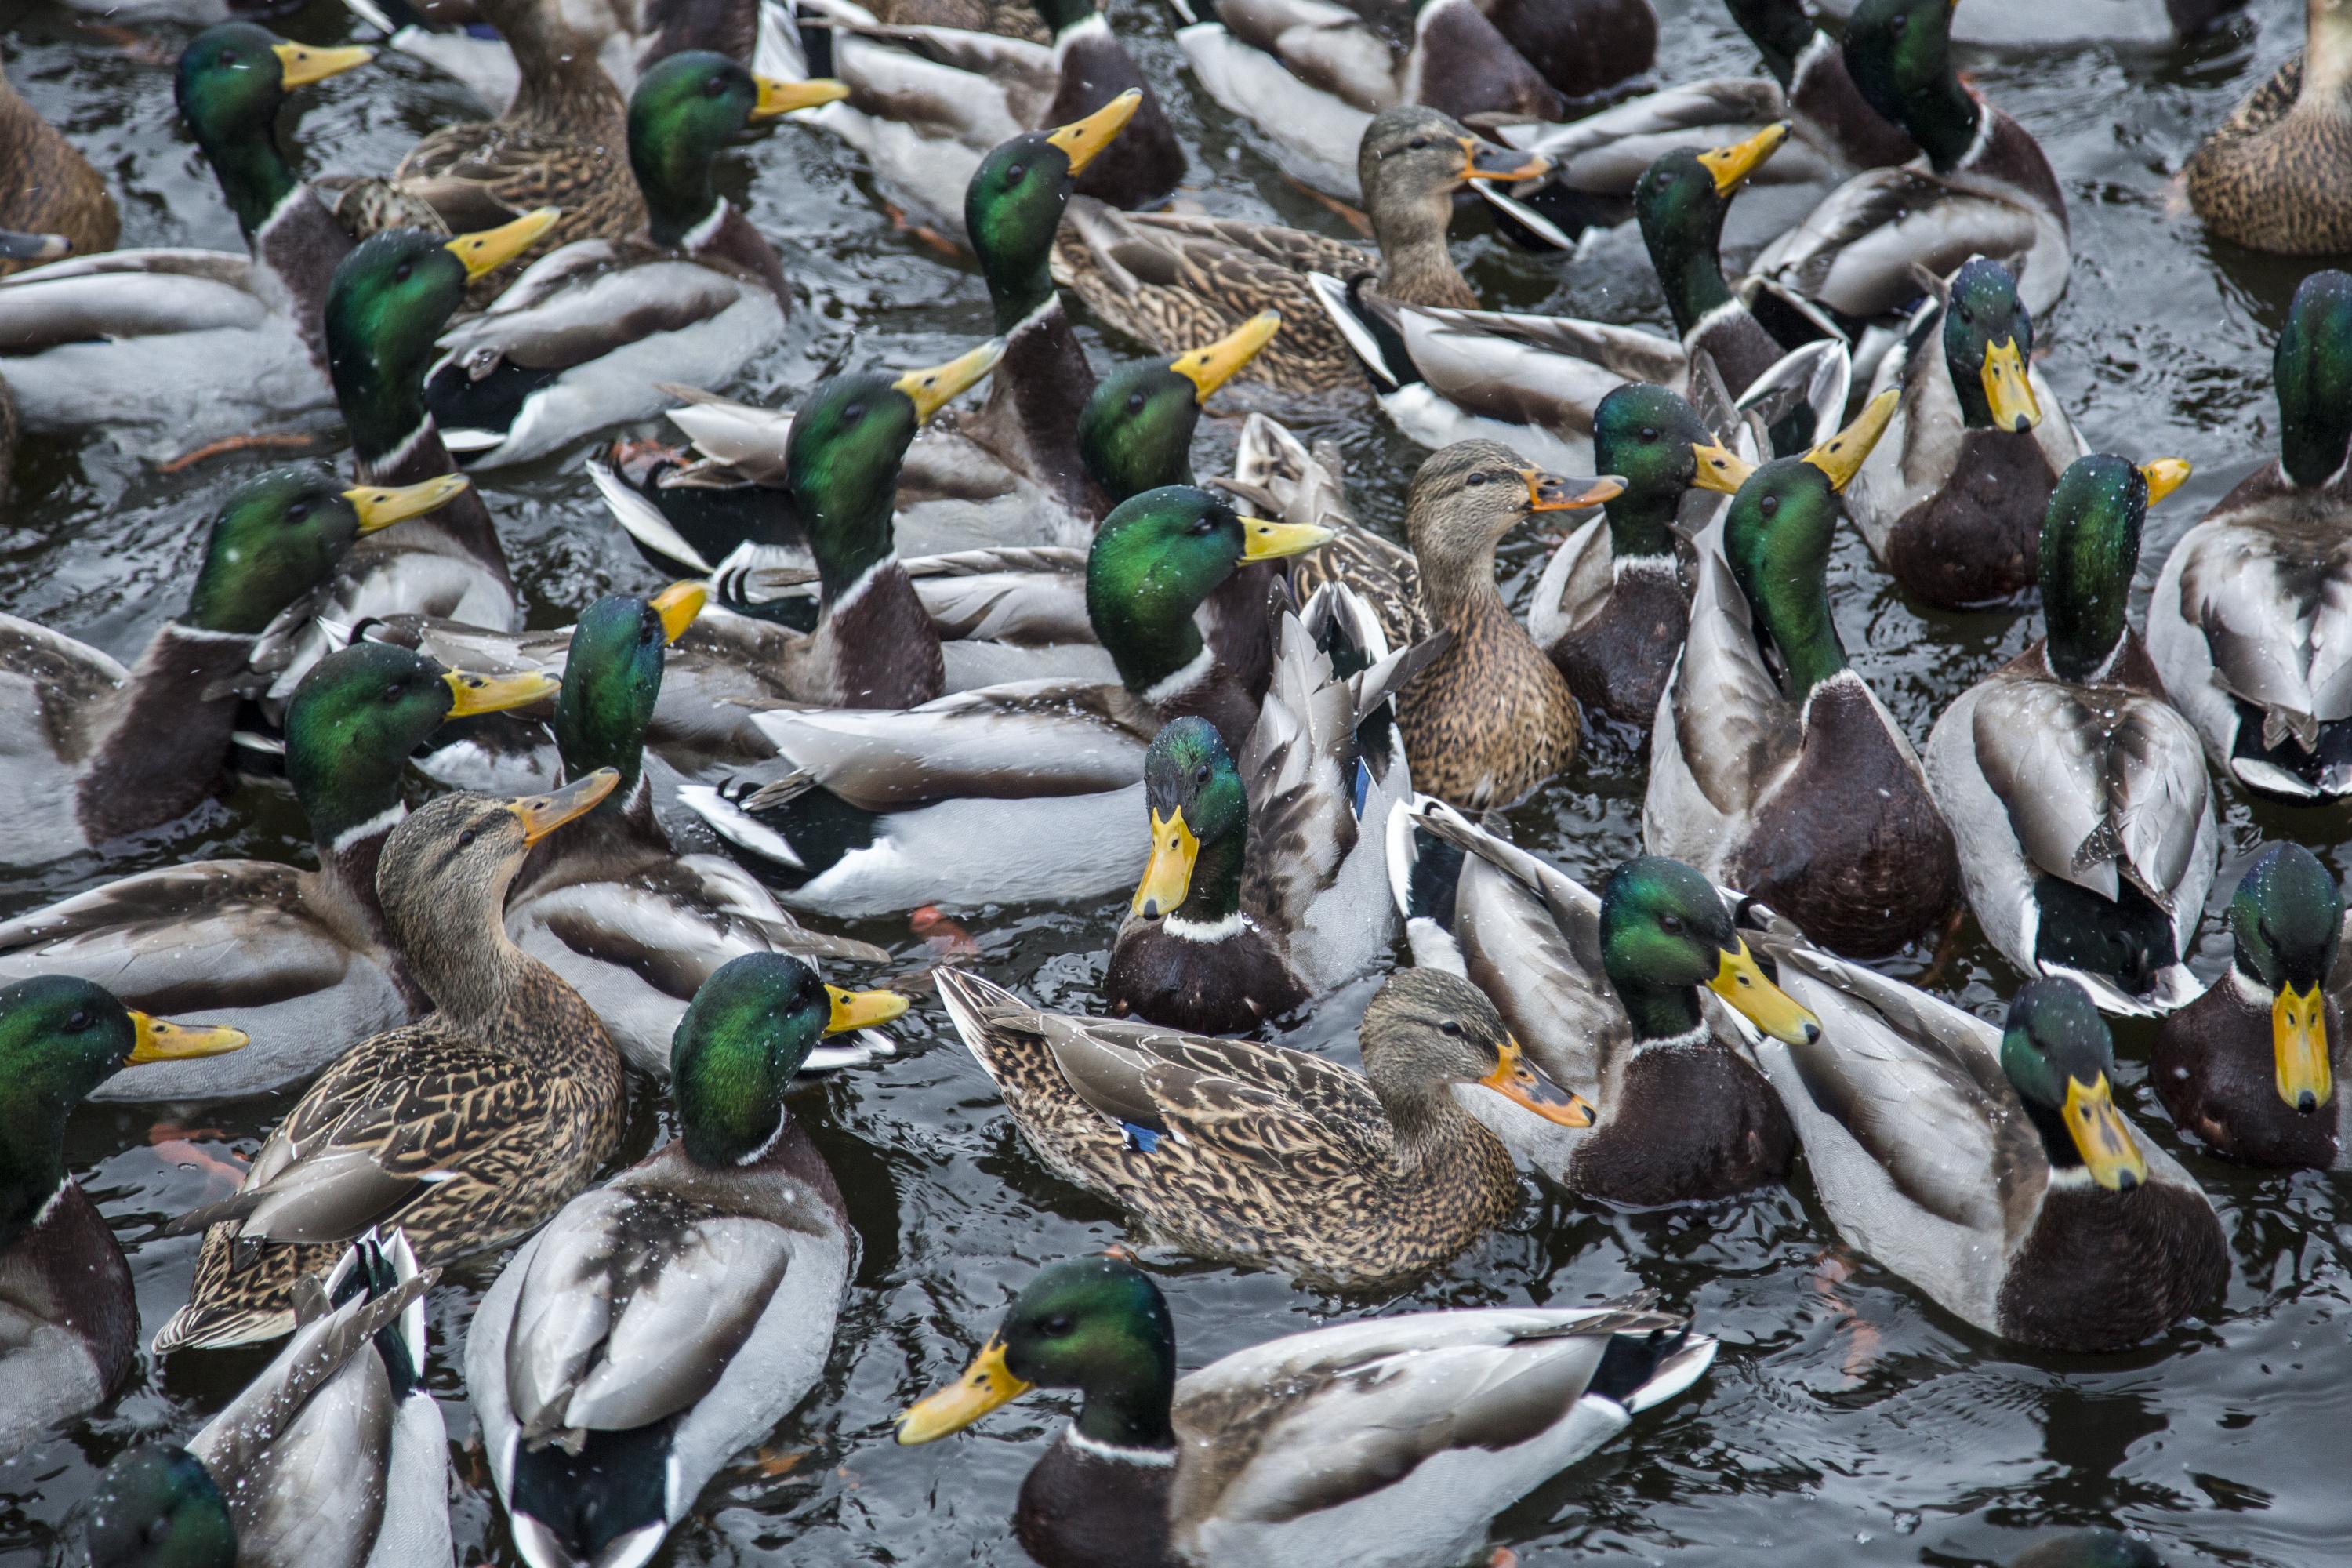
(47,187)
(1490,718)
(1005,18)
(1259,1155)
(2271,178)
(468,1129)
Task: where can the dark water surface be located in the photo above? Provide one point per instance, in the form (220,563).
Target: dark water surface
(1846,1421)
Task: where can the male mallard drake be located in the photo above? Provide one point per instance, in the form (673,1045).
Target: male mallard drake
(334,1457)
(1263,1155)
(1169,279)
(1606,992)
(1610,607)
(1984,189)
(2076,791)
(2247,625)
(1313,75)
(109,752)
(927,103)
(1490,718)
(2016,24)
(2264,179)
(194,341)
(387,299)
(1444,375)
(46,188)
(1021,792)
(474,1123)
(301,959)
(1773,767)
(1951,501)
(668,1319)
(1218,939)
(1158,1471)
(619,915)
(2254,1066)
(69,1326)
(1990,1167)
(1830,115)
(578,341)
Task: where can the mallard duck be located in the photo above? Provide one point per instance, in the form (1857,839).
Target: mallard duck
(1158,1470)
(927,103)
(2262,178)
(1489,719)
(577,341)
(1832,118)
(1381,1176)
(619,915)
(2254,1066)
(300,959)
(48,190)
(1444,375)
(194,341)
(1218,938)
(68,1321)
(671,1317)
(1167,278)
(386,302)
(2076,791)
(1773,767)
(474,1123)
(1610,607)
(1609,993)
(111,751)
(1984,188)
(2015,24)
(1015,793)
(1951,501)
(2246,623)
(334,1457)
(1990,1167)
(1313,75)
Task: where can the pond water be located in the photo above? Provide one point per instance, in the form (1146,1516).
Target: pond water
(1846,1421)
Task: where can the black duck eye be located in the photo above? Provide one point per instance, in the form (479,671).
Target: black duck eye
(1667,177)
(1967,317)
(402,273)
(714,86)
(394,692)
(1450,1029)
(1201,773)
(1899,25)
(76,1021)
(1769,505)
(228,56)
(466,840)
(1205,525)
(1016,175)
(1476,479)
(1649,432)
(1134,402)
(1418,144)
(1057,1325)
(1671,924)
(852,414)
(299,511)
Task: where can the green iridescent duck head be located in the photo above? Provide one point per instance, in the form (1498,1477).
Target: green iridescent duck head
(158,1507)
(2059,1056)
(1649,438)
(1988,346)
(612,680)
(282,534)
(1015,199)
(1680,201)
(1135,431)
(2090,549)
(2312,373)
(748,1030)
(1899,53)
(1200,826)
(2286,919)
(1664,933)
(231,81)
(687,110)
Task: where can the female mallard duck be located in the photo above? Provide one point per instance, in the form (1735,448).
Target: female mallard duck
(1990,1167)
(2248,622)
(619,915)
(334,1457)
(1610,608)
(1379,1176)
(1169,279)
(2255,1066)
(927,103)
(194,341)
(46,188)
(1218,939)
(1158,1471)
(1607,993)
(670,1317)
(1444,375)
(578,341)
(1022,792)
(301,959)
(1313,76)
(68,1321)
(1490,718)
(1773,767)
(475,1123)
(2076,793)
(2263,180)
(111,751)
(388,298)
(1985,188)
(1951,501)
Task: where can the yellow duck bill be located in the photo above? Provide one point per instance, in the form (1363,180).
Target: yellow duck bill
(381,506)
(986,1385)
(160,1041)
(1168,876)
(1741,981)
(2299,1044)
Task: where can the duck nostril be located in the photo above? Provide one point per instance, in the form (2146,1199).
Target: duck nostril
(1813,1033)
(2306,1102)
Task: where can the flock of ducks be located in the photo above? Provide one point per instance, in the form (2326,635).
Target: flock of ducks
(1021,653)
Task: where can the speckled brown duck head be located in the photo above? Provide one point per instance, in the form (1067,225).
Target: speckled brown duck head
(1410,164)
(1427,1030)
(1464,500)
(443,883)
